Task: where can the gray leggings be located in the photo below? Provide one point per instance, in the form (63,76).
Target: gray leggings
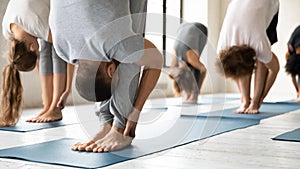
(49,62)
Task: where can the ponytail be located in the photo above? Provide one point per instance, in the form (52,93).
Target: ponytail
(12,96)
(21,59)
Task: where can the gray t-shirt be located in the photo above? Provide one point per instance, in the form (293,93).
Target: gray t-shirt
(97,30)
(190,36)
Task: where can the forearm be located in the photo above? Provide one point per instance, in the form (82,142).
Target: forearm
(70,72)
(152,62)
(148,81)
(202,77)
(295,83)
(174,59)
(193,59)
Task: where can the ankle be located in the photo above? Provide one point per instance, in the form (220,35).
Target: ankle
(117,129)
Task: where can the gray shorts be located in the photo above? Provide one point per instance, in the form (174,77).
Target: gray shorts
(49,62)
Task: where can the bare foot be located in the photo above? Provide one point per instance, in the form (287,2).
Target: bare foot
(102,132)
(241,110)
(252,109)
(7,124)
(298,99)
(191,99)
(245,104)
(114,140)
(8,121)
(49,116)
(40,114)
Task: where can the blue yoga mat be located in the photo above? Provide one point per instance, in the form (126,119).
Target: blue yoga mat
(26,127)
(204,100)
(23,126)
(289,136)
(267,110)
(184,130)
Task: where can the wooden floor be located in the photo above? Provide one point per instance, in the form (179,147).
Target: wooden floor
(251,148)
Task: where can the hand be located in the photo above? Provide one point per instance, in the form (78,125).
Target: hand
(63,99)
(131,124)
(130,129)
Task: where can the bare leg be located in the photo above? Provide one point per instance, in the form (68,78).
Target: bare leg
(298,93)
(54,113)
(47,94)
(201,80)
(244,88)
(176,89)
(102,132)
(113,140)
(261,74)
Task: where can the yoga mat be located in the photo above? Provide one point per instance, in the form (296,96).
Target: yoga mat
(267,110)
(202,100)
(184,130)
(289,136)
(26,127)
(23,126)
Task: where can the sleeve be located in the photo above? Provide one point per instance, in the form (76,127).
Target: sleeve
(6,23)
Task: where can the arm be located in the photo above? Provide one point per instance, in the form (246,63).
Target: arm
(295,83)
(174,59)
(62,101)
(193,59)
(287,56)
(50,36)
(152,62)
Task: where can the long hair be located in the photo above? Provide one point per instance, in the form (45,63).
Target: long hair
(293,64)
(20,59)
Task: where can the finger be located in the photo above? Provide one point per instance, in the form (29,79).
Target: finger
(60,105)
(127,130)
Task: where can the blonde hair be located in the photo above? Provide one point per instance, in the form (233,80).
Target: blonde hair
(21,59)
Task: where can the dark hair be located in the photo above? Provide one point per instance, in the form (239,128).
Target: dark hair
(236,61)
(293,64)
(21,59)
(92,81)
